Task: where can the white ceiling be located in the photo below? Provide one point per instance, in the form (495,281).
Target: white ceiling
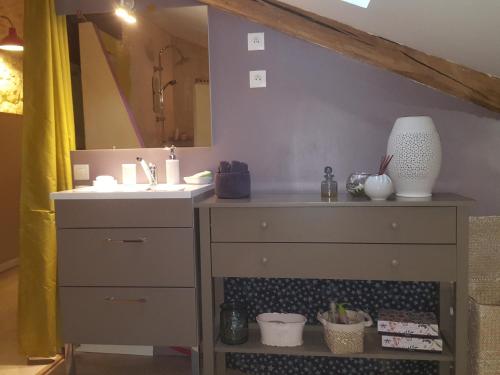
(463,31)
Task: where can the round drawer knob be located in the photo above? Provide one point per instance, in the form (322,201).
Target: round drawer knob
(394,225)
(263,224)
(264,260)
(395,263)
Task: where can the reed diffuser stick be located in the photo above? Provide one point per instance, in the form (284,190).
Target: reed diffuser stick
(384,163)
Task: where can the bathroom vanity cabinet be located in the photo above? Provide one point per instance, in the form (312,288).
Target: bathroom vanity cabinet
(302,236)
(127,270)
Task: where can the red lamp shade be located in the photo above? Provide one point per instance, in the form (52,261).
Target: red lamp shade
(12,42)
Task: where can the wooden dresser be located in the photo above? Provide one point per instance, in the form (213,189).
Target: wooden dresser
(303,236)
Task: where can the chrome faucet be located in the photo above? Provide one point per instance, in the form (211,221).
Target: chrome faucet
(149,171)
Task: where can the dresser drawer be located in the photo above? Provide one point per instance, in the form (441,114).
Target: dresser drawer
(128,316)
(335,261)
(434,225)
(124,213)
(160,257)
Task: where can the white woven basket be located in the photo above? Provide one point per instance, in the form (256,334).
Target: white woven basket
(484,289)
(277,329)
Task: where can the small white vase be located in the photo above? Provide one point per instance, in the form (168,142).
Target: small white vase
(378,187)
(415,144)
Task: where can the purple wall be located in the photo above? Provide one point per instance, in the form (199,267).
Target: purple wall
(321,108)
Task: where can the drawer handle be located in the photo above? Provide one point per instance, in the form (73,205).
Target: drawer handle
(394,225)
(264,225)
(138,240)
(395,263)
(125,300)
(264,260)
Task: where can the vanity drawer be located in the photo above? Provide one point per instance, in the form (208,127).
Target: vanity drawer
(435,225)
(128,316)
(335,261)
(124,213)
(160,257)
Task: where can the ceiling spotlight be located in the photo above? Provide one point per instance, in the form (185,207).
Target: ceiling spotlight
(11,42)
(125,11)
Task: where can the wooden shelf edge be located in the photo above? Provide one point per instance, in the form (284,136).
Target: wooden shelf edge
(314,346)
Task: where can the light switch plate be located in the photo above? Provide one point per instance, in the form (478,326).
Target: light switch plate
(81,172)
(256,42)
(258,79)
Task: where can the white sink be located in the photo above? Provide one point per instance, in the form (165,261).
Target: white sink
(142,187)
(139,191)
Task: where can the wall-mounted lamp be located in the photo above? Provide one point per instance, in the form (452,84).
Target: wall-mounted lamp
(11,42)
(125,11)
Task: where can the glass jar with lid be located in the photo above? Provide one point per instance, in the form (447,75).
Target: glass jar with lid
(233,323)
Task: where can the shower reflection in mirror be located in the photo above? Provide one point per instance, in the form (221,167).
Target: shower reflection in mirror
(141,85)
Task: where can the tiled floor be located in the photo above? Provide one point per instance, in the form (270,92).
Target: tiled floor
(11,362)
(118,364)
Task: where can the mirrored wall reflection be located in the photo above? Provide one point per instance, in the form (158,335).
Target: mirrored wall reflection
(141,85)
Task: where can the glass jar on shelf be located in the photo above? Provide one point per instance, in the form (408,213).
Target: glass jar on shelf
(233,323)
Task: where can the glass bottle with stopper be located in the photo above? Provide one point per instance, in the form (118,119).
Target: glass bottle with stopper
(329,185)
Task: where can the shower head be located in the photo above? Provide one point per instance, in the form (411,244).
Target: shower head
(182,59)
(172,82)
(164,49)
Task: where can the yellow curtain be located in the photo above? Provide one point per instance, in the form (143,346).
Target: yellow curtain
(48,138)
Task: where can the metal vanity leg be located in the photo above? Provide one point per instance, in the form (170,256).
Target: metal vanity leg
(208,337)
(447,322)
(220,363)
(220,358)
(69,359)
(195,360)
(462,294)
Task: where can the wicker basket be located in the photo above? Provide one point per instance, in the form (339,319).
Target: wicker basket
(484,289)
(346,338)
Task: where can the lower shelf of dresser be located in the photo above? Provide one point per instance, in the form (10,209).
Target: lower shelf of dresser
(315,346)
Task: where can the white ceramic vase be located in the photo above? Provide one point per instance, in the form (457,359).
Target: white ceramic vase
(378,187)
(416,146)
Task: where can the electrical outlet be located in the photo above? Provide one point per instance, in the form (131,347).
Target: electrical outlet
(81,172)
(257,79)
(256,42)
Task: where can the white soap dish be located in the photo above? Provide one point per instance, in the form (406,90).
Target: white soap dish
(198,180)
(105,183)
(202,178)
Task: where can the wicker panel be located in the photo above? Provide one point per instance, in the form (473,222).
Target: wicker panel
(484,339)
(484,273)
(484,259)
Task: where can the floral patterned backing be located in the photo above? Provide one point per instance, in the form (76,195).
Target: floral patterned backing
(307,297)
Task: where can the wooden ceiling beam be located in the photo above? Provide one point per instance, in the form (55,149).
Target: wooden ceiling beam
(432,71)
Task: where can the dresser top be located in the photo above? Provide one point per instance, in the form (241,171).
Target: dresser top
(344,200)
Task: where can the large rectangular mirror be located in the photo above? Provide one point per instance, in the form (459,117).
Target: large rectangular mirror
(144,84)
